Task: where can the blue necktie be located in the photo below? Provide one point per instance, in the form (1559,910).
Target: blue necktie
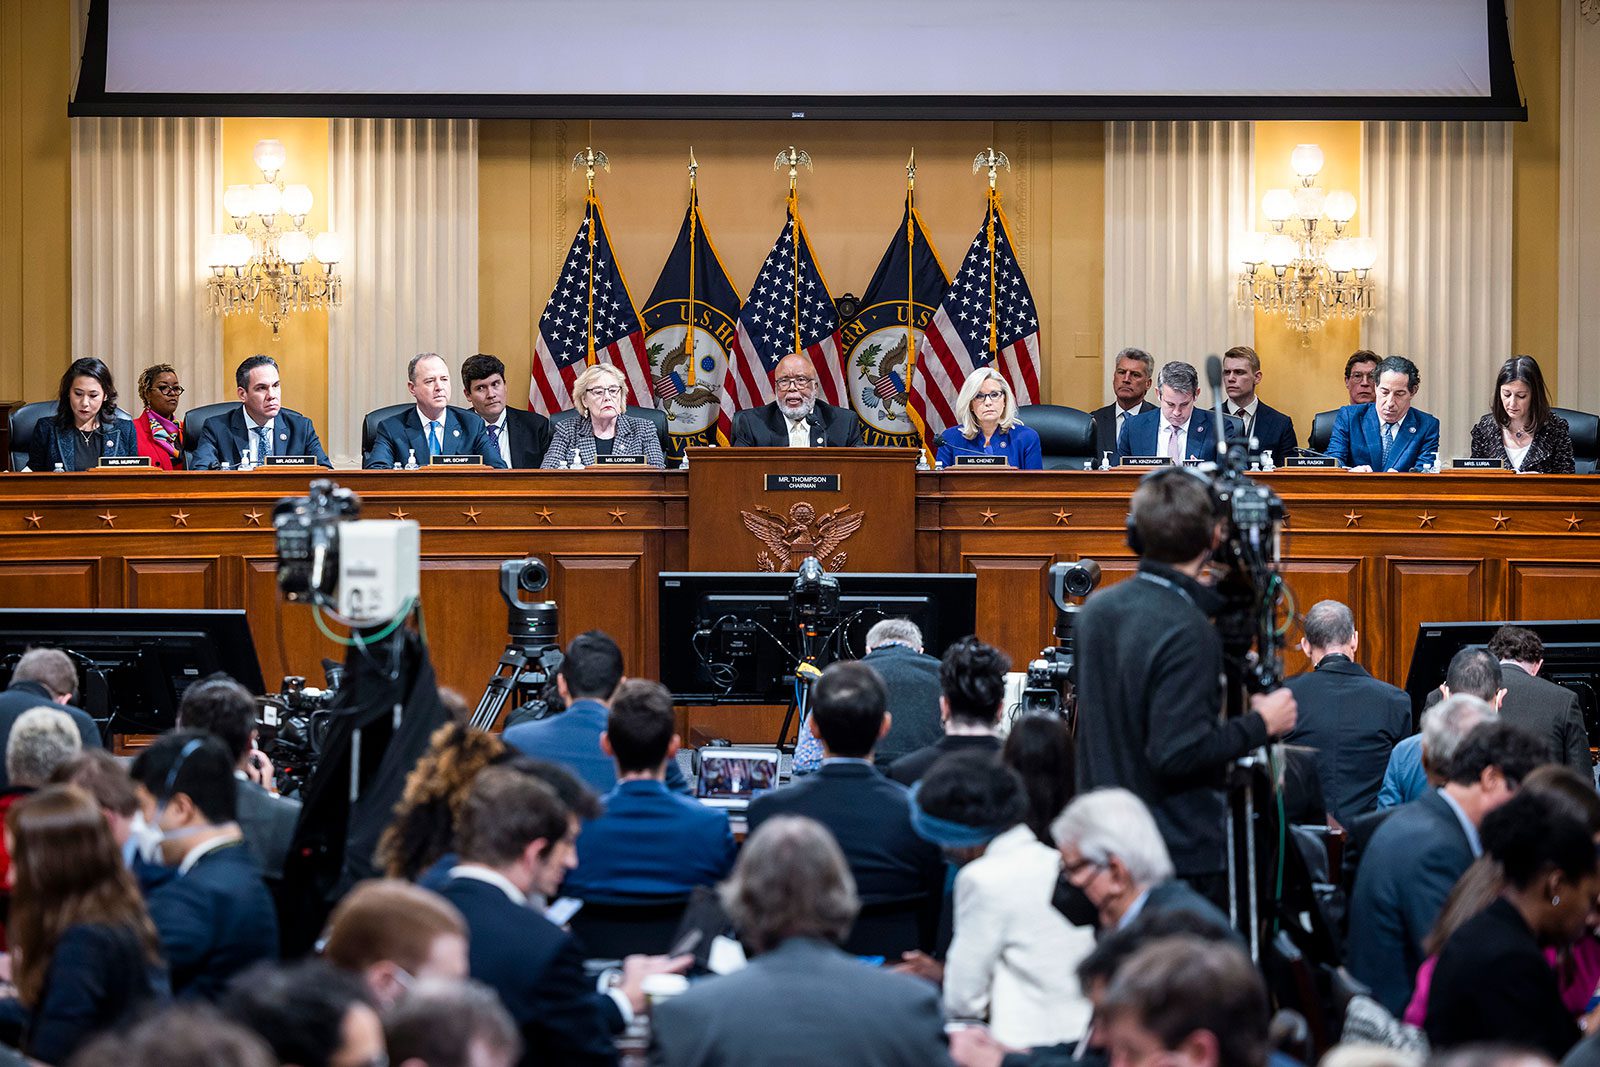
(1388,443)
(494,435)
(263,443)
(434,445)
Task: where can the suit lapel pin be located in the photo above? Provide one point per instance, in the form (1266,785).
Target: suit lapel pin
(1413,429)
(283,437)
(455,433)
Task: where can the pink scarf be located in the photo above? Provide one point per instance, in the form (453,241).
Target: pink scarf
(164,432)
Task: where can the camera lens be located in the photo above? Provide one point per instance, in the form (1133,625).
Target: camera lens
(533,576)
(1082,577)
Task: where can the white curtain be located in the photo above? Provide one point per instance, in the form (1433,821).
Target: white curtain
(1579,368)
(144,201)
(403,194)
(1178,194)
(1437,197)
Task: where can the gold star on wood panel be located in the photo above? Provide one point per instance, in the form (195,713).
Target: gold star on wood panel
(1500,520)
(400,513)
(1573,522)
(253,517)
(544,515)
(1062,516)
(34,520)
(471,515)
(988,516)
(1352,518)
(1425,520)
(616,516)
(180,518)
(108,518)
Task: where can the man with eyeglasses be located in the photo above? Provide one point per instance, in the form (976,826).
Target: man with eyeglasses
(432,427)
(796,418)
(1361,376)
(260,426)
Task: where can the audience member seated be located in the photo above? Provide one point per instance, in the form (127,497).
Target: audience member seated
(989,425)
(516,839)
(86,424)
(44,677)
(1520,429)
(1130,381)
(423,831)
(796,418)
(521,437)
(1419,762)
(1272,430)
(649,843)
(450,1024)
(156,428)
(1173,431)
(189,1035)
(432,427)
(1361,376)
(972,687)
(100,774)
(1541,707)
(800,998)
(1387,434)
(1190,1002)
(602,428)
(1420,851)
(215,917)
(869,815)
(1493,982)
(310,1014)
(1039,748)
(1349,719)
(1012,957)
(894,650)
(84,954)
(590,672)
(392,934)
(225,709)
(260,426)
(42,740)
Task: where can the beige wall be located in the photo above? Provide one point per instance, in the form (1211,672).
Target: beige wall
(1536,183)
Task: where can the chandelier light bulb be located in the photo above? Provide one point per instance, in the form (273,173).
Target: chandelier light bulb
(238,201)
(240,249)
(1306,159)
(1308,201)
(328,248)
(1340,206)
(1280,250)
(1253,248)
(266,200)
(217,250)
(294,247)
(297,201)
(269,156)
(1341,256)
(1277,205)
(1364,253)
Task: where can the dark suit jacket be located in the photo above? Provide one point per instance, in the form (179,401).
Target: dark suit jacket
(536,968)
(1353,721)
(635,437)
(1550,451)
(1105,426)
(402,434)
(1547,711)
(572,738)
(650,842)
(1407,871)
(225,438)
(830,427)
(1493,984)
(909,769)
(530,438)
(268,823)
(98,977)
(912,679)
(1174,895)
(214,922)
(1141,435)
(1273,431)
(50,447)
(25,696)
(1358,441)
(803,1002)
(870,817)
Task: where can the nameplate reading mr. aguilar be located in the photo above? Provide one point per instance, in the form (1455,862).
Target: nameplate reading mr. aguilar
(802,483)
(290,461)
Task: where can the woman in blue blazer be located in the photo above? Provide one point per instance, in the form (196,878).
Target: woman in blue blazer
(86,425)
(989,425)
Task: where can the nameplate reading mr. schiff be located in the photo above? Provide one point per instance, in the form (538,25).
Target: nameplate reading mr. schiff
(466,459)
(802,483)
(1146,461)
(980,461)
(289,461)
(1479,463)
(123,461)
(619,461)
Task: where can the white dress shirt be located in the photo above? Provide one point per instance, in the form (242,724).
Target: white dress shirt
(427,433)
(505,436)
(1247,414)
(1124,414)
(195,854)
(799,432)
(254,436)
(1164,439)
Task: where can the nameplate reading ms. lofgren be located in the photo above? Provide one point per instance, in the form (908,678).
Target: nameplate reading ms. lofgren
(802,483)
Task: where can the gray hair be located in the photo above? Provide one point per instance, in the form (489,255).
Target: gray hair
(42,739)
(1113,822)
(1139,354)
(1329,624)
(894,632)
(791,881)
(49,667)
(1447,724)
(1180,376)
(439,1021)
(411,367)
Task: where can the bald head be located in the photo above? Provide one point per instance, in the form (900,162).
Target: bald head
(795,381)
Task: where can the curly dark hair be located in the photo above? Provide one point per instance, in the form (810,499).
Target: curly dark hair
(424,826)
(147,379)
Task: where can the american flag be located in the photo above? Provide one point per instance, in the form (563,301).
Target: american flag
(562,349)
(766,330)
(957,340)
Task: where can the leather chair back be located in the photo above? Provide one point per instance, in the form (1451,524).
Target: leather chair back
(1321,430)
(1585,430)
(655,416)
(194,421)
(369,426)
(1066,435)
(24,419)
(616,931)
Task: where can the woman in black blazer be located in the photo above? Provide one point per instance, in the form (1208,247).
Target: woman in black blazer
(1521,429)
(602,428)
(85,425)
(1493,982)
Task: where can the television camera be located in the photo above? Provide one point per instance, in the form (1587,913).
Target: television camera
(1052,678)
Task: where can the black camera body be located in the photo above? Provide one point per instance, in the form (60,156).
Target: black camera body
(307,535)
(292,723)
(815,593)
(1053,677)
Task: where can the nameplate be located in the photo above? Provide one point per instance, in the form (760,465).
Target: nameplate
(1484,463)
(981,461)
(619,461)
(466,459)
(115,462)
(802,483)
(289,461)
(1146,461)
(1310,461)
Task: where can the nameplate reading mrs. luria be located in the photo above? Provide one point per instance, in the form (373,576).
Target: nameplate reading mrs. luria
(1310,461)
(465,459)
(290,461)
(619,461)
(1479,463)
(123,461)
(980,461)
(802,483)
(1145,461)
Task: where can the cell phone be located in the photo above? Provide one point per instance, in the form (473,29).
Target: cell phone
(561,910)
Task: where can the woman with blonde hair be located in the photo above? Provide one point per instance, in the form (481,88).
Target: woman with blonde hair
(989,425)
(602,428)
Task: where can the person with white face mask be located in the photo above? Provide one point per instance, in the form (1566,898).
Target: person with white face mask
(1521,428)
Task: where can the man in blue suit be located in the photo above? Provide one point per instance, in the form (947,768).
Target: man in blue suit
(260,427)
(1174,429)
(590,672)
(1387,434)
(650,842)
(432,428)
(1272,430)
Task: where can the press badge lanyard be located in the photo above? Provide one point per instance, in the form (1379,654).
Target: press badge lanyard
(1169,584)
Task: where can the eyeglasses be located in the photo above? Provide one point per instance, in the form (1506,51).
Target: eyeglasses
(1363,376)
(998,394)
(170,390)
(608,391)
(795,383)
(1072,870)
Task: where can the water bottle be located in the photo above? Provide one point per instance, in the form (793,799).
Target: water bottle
(411,459)
(225,466)
(61,468)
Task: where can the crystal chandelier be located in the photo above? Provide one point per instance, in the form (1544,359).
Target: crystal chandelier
(1307,269)
(270,262)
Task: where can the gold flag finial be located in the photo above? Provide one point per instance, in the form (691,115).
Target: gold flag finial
(591,159)
(793,158)
(993,161)
(694,166)
(911,170)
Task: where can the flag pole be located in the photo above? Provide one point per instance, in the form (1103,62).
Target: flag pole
(794,159)
(589,159)
(911,267)
(993,161)
(694,210)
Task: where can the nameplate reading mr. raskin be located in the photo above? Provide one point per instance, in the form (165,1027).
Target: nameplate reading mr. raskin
(619,461)
(1479,463)
(980,461)
(290,461)
(802,483)
(465,459)
(1310,461)
(1145,461)
(123,461)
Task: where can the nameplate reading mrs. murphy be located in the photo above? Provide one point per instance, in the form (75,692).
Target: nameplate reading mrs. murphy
(116,462)
(802,483)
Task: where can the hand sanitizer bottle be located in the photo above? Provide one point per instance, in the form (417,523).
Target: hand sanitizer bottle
(1267,463)
(1105,461)
(577,461)
(411,459)
(245,463)
(922,461)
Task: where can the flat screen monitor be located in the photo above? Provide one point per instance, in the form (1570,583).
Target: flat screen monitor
(728,637)
(133,664)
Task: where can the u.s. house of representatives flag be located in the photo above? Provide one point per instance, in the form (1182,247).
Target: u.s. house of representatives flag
(590,296)
(987,316)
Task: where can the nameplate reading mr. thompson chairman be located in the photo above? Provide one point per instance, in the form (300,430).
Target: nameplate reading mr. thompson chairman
(802,483)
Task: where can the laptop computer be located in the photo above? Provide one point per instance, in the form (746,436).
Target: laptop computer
(731,777)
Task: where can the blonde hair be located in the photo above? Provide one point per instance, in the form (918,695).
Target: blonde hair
(969,390)
(592,373)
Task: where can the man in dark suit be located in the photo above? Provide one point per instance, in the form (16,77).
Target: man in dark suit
(894,650)
(650,842)
(972,688)
(1272,430)
(225,709)
(1541,707)
(517,840)
(1176,430)
(215,918)
(260,427)
(1420,851)
(1387,434)
(868,814)
(1348,718)
(796,418)
(521,437)
(432,428)
(44,677)
(1130,382)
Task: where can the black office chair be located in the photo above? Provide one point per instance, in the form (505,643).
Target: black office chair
(616,931)
(1585,430)
(655,416)
(369,426)
(194,421)
(1321,430)
(1066,435)
(891,928)
(24,419)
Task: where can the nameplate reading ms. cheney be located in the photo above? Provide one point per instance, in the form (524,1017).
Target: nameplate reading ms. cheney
(802,483)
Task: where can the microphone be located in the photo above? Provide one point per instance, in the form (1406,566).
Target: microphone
(1214,379)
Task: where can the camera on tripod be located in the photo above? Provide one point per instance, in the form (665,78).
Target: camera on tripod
(366,571)
(292,723)
(815,593)
(533,656)
(1053,677)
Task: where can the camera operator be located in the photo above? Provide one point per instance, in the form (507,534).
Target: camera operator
(1150,691)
